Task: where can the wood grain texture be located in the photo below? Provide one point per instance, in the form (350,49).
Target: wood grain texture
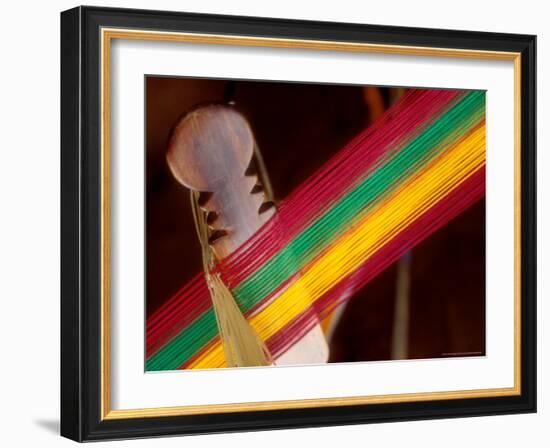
(210,151)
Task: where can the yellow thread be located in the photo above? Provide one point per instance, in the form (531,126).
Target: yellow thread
(241,345)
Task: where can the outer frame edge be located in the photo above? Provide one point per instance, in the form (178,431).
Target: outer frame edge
(71,384)
(529,222)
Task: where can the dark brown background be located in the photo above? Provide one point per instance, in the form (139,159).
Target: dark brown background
(298,127)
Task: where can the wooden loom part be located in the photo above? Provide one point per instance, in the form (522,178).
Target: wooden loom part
(209,152)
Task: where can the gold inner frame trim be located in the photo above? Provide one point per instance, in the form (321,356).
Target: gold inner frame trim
(107,35)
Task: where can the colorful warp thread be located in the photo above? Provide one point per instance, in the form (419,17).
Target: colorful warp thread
(420,165)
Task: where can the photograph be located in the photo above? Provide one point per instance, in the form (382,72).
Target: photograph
(291,223)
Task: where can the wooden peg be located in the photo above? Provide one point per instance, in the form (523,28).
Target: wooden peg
(210,151)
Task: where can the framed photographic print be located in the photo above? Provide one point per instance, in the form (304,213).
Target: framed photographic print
(274,224)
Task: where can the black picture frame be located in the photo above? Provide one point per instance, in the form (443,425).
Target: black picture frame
(81,381)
